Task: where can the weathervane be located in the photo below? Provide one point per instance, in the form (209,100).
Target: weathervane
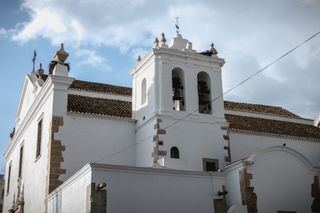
(177,25)
(34,58)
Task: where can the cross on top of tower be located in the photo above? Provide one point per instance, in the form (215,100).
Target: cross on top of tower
(177,25)
(34,59)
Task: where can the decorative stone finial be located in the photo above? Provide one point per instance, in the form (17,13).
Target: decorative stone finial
(213,50)
(163,38)
(61,55)
(40,70)
(189,46)
(139,58)
(156,42)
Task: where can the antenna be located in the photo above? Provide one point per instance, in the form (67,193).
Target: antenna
(177,25)
(34,58)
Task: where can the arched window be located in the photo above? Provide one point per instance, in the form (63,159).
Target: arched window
(174,152)
(204,93)
(143,91)
(178,90)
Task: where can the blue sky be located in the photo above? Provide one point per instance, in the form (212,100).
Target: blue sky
(105,37)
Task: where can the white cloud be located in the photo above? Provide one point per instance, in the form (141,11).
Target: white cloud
(248,34)
(89,57)
(3,32)
(44,23)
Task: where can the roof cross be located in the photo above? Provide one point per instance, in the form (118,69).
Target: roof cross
(34,58)
(177,25)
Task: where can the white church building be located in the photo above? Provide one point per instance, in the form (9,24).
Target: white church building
(171,143)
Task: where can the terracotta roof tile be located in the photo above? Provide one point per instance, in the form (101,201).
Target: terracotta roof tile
(101,87)
(98,87)
(258,108)
(284,128)
(99,106)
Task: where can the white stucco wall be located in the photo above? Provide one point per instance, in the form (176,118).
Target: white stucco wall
(243,145)
(89,139)
(196,138)
(71,195)
(34,171)
(282,181)
(141,190)
(232,180)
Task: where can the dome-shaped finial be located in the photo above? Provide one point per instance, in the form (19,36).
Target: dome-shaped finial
(61,55)
(139,58)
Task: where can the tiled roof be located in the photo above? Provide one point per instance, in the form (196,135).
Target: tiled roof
(100,87)
(126,91)
(260,125)
(99,106)
(122,109)
(258,108)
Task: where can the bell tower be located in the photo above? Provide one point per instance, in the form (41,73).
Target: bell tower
(182,87)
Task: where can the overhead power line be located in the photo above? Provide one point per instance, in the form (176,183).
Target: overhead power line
(219,96)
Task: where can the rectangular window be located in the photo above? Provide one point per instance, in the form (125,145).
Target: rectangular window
(39,138)
(210,165)
(8,180)
(20,161)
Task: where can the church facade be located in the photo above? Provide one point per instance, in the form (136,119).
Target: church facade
(169,144)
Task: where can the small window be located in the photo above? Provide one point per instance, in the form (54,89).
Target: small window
(8,180)
(143,91)
(174,153)
(20,161)
(210,165)
(39,138)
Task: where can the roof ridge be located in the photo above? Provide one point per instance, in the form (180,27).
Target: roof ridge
(255,104)
(259,109)
(106,84)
